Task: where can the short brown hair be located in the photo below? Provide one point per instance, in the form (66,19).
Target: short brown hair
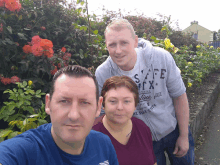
(120,81)
(75,71)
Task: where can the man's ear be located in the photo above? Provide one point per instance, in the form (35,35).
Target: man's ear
(136,41)
(99,107)
(47,104)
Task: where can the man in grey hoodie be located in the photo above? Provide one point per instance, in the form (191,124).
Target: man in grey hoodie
(163,101)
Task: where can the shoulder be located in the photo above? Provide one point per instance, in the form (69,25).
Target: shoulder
(104,66)
(17,149)
(99,138)
(26,141)
(161,52)
(140,124)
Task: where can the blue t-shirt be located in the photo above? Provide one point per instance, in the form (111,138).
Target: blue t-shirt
(37,147)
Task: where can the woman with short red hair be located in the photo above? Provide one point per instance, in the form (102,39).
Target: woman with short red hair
(130,136)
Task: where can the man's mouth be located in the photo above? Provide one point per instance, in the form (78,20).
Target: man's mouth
(119,57)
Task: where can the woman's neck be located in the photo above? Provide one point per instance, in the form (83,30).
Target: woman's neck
(124,128)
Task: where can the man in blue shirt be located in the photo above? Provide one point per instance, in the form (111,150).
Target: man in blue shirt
(73,104)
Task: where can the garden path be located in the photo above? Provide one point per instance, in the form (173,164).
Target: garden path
(207,150)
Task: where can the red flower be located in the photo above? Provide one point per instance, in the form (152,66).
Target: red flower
(1,27)
(42,28)
(54,71)
(15,79)
(5,81)
(65,64)
(37,50)
(65,57)
(59,65)
(35,40)
(63,49)
(68,54)
(2,3)
(49,53)
(13,5)
(46,44)
(27,49)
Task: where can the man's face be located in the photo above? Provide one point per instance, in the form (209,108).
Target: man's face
(119,105)
(72,109)
(121,46)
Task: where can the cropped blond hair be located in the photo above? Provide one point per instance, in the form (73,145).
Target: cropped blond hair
(119,25)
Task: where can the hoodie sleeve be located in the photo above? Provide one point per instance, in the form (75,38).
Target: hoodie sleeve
(175,84)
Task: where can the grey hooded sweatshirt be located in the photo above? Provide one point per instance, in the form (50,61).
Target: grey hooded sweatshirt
(158,80)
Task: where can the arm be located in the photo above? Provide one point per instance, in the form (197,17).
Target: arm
(155,163)
(182,114)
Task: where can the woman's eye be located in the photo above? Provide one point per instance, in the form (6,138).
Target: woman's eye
(63,101)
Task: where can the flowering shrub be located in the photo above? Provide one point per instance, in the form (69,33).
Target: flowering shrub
(12,5)
(13,80)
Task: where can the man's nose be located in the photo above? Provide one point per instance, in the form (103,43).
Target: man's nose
(74,113)
(118,49)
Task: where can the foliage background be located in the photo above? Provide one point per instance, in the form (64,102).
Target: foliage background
(70,26)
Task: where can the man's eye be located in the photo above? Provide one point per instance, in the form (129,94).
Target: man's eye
(112,101)
(124,43)
(127,101)
(111,45)
(85,103)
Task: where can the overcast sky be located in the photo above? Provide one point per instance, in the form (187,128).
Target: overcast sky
(207,13)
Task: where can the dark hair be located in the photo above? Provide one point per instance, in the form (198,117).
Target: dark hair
(120,81)
(77,72)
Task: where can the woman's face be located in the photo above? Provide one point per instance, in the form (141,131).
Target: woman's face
(119,105)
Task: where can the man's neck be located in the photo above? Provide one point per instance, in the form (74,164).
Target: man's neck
(70,148)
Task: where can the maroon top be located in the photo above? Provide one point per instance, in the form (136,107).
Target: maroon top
(138,150)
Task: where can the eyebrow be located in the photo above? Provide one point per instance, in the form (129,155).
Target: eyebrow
(123,97)
(80,98)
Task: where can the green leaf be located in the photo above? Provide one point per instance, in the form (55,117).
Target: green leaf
(9,29)
(27,102)
(20,17)
(84,10)
(153,38)
(29,109)
(164,28)
(21,36)
(38,92)
(13,134)
(41,121)
(95,31)
(34,115)
(26,29)
(24,83)
(9,41)
(20,103)
(82,3)
(10,107)
(32,119)
(5,133)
